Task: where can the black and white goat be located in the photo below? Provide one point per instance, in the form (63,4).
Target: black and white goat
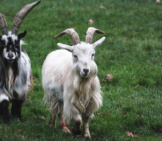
(15,66)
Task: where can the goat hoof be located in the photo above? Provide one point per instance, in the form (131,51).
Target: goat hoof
(66,130)
(7,121)
(21,119)
(78,136)
(52,125)
(77,132)
(87,135)
(15,115)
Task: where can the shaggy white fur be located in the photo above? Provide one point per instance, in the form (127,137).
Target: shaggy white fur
(70,82)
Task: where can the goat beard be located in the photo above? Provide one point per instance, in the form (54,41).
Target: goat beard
(81,88)
(81,84)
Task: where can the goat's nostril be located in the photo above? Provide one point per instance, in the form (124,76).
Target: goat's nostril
(86,70)
(10,55)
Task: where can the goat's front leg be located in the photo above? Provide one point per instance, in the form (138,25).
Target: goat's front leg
(4,105)
(86,127)
(63,124)
(16,108)
(77,125)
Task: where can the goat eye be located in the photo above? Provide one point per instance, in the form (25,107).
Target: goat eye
(93,55)
(75,56)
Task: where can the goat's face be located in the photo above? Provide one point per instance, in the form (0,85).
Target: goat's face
(83,57)
(83,60)
(82,52)
(10,46)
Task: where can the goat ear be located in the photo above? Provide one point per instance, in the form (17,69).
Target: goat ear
(22,35)
(99,42)
(67,47)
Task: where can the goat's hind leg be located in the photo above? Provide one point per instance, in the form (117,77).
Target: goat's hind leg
(63,124)
(4,108)
(53,120)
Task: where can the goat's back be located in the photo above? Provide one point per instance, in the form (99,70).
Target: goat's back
(56,67)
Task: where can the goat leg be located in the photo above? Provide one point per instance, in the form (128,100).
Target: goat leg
(4,105)
(86,128)
(64,127)
(53,120)
(77,129)
(16,108)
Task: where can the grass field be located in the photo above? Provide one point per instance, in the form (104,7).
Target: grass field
(132,100)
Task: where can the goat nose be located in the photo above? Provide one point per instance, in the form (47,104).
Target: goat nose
(10,55)
(86,70)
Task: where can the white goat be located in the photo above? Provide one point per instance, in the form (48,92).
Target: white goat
(70,81)
(15,66)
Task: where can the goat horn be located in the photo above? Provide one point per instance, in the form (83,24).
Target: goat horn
(3,25)
(72,33)
(21,15)
(90,32)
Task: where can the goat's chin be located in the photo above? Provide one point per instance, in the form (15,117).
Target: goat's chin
(85,76)
(10,61)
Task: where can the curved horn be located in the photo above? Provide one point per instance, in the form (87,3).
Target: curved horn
(3,25)
(72,33)
(21,15)
(90,32)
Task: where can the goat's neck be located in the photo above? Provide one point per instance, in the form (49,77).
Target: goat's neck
(11,72)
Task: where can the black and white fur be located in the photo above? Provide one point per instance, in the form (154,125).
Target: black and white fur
(15,66)
(15,75)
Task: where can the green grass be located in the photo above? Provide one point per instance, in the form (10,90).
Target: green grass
(131,53)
